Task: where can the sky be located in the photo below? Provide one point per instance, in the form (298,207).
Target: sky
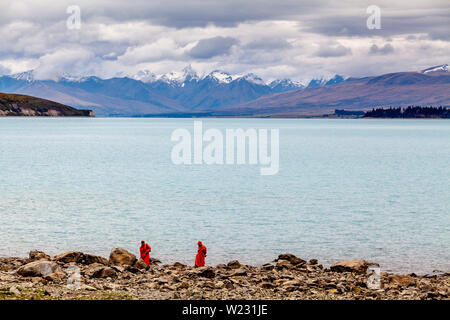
(292,39)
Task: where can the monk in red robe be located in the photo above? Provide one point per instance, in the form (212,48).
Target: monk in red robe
(145,253)
(201,254)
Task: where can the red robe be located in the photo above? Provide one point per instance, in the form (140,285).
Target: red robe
(145,253)
(200,258)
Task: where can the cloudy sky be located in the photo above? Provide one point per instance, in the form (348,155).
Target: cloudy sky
(274,39)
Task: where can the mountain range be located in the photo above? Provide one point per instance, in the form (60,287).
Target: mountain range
(220,93)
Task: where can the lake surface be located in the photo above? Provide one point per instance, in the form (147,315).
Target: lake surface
(372,189)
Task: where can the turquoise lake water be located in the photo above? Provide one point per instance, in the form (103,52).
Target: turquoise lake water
(372,189)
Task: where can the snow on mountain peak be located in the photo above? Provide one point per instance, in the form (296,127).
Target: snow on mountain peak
(179,77)
(189,74)
(27,76)
(145,76)
(220,76)
(251,77)
(285,83)
(66,77)
(320,82)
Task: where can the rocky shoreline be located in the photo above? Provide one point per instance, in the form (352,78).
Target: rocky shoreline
(76,275)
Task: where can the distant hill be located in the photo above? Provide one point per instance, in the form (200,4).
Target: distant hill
(395,89)
(21,105)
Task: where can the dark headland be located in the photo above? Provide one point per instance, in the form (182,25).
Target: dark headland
(17,105)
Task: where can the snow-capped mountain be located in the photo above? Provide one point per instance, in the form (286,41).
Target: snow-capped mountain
(145,76)
(285,85)
(179,78)
(325,81)
(188,74)
(146,92)
(186,91)
(27,76)
(441,68)
(220,76)
(253,78)
(149,92)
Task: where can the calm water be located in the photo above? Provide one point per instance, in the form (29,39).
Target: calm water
(373,189)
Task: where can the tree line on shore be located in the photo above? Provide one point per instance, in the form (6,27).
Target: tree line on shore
(409,112)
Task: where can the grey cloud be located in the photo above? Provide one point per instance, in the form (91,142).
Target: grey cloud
(322,16)
(208,48)
(268,44)
(386,49)
(173,13)
(333,51)
(430,22)
(124,37)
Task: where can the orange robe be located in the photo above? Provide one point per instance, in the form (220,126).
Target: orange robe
(145,253)
(200,258)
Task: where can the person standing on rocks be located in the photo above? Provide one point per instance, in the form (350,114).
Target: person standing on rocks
(145,253)
(201,254)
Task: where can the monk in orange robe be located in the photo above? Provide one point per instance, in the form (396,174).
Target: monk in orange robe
(201,254)
(145,253)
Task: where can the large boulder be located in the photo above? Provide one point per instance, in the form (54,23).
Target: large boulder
(38,255)
(291,258)
(281,263)
(90,259)
(8,264)
(356,266)
(103,272)
(179,265)
(39,268)
(401,280)
(204,272)
(234,264)
(56,276)
(120,257)
(71,256)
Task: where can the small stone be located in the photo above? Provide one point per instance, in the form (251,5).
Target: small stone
(14,290)
(283,264)
(268,267)
(140,264)
(88,288)
(229,285)
(239,272)
(267,285)
(183,285)
(206,272)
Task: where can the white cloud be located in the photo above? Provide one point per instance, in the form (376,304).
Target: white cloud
(296,39)
(72,61)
